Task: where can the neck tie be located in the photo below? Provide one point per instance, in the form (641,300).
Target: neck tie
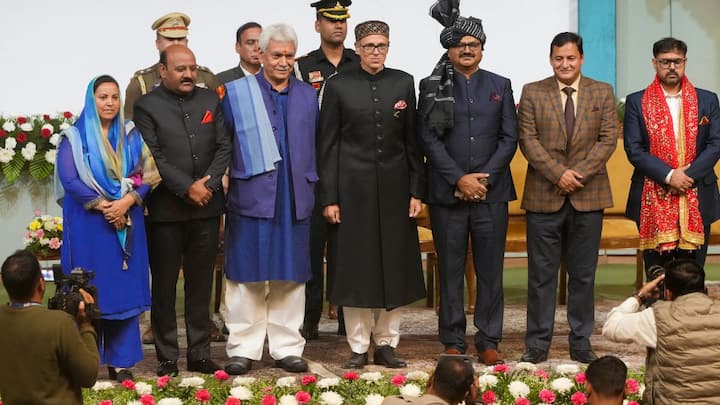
(569,116)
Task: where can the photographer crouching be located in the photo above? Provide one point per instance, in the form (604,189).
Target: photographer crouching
(681,334)
(46,356)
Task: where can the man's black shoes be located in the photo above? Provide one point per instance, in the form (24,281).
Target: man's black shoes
(385,356)
(167,367)
(583,356)
(534,356)
(356,361)
(237,365)
(292,364)
(205,366)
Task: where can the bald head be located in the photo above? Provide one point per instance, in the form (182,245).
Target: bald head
(178,69)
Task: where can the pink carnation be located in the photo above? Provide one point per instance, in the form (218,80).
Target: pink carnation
(221,375)
(489,397)
(522,401)
(632,386)
(547,396)
(542,374)
(398,380)
(578,398)
(202,395)
(501,368)
(147,399)
(54,243)
(129,384)
(629,403)
(303,397)
(39,233)
(351,375)
(37,213)
(163,381)
(105,402)
(308,379)
(232,401)
(269,400)
(580,378)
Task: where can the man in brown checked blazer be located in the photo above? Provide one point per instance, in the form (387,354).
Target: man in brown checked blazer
(567,132)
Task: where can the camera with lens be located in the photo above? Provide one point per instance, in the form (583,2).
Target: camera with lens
(654,272)
(67,292)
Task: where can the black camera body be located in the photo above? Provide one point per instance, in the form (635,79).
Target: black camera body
(654,272)
(67,292)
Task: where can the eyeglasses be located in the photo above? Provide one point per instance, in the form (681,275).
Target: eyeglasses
(473,46)
(370,48)
(665,63)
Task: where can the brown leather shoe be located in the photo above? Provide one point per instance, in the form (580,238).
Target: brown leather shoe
(332,312)
(147,337)
(490,357)
(452,350)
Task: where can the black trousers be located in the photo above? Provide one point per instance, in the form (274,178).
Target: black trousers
(574,235)
(191,245)
(486,226)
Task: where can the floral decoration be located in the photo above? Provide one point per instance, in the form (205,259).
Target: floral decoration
(31,142)
(43,235)
(519,385)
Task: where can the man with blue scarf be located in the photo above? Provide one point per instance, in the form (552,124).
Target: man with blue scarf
(271,117)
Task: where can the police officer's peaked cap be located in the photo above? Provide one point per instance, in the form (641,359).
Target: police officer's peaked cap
(173,25)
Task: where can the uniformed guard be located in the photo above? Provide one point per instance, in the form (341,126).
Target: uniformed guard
(170,29)
(314,68)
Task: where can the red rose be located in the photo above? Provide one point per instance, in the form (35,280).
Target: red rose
(303,397)
(21,120)
(232,401)
(398,380)
(269,400)
(202,395)
(221,375)
(580,378)
(308,379)
(129,384)
(21,137)
(163,381)
(67,114)
(46,117)
(351,375)
(489,397)
(45,133)
(3,134)
(147,399)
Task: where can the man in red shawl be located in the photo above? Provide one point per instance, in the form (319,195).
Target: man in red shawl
(672,137)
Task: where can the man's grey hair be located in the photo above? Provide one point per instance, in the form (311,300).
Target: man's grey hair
(280,32)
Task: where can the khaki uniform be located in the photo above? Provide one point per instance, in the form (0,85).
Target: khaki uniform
(144,81)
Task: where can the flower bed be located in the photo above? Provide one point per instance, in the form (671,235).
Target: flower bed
(522,385)
(31,142)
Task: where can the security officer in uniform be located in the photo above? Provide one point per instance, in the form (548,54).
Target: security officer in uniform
(170,29)
(314,68)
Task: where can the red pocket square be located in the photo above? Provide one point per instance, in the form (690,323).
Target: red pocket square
(704,120)
(207,118)
(400,105)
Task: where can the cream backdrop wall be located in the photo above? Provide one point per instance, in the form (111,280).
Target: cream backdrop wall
(51,49)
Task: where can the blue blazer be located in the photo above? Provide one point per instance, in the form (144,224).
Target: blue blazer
(701,169)
(255,197)
(483,139)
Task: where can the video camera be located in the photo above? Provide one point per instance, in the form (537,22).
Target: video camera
(67,295)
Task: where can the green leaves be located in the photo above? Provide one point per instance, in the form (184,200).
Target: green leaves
(13,168)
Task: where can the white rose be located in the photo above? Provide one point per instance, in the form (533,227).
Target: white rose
(243,381)
(567,369)
(373,377)
(102,385)
(143,388)
(331,398)
(526,366)
(28,151)
(64,125)
(44,241)
(8,126)
(51,156)
(192,382)
(518,389)
(562,385)
(242,393)
(170,401)
(287,400)
(54,139)
(418,376)
(27,127)
(10,143)
(374,399)
(6,155)
(410,390)
(286,382)
(487,381)
(328,382)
